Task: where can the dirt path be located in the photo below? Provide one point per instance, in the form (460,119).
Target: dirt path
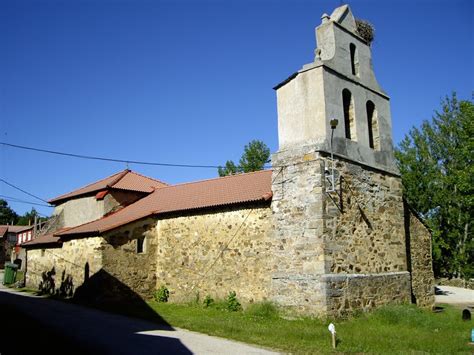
(462,297)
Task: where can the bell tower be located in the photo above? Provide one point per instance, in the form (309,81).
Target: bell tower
(340,84)
(337,203)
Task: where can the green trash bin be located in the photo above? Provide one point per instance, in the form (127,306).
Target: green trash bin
(10,273)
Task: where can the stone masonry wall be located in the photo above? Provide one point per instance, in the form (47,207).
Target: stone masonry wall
(67,266)
(349,293)
(422,277)
(356,232)
(365,241)
(215,252)
(298,225)
(123,262)
(365,222)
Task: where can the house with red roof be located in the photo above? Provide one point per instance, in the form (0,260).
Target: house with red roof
(134,237)
(11,239)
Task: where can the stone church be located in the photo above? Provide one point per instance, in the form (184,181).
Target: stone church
(325,232)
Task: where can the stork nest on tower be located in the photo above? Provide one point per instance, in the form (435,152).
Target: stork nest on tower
(365,30)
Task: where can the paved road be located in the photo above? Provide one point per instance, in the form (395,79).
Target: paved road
(454,295)
(34,324)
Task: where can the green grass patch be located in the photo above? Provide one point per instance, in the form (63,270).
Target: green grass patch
(392,329)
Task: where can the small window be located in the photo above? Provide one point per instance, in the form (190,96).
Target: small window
(354,59)
(373,125)
(42,252)
(349,116)
(140,245)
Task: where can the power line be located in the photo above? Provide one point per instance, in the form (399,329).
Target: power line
(115,160)
(25,192)
(81,156)
(14,199)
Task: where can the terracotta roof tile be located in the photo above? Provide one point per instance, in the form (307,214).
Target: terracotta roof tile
(228,190)
(3,230)
(16,229)
(45,239)
(124,180)
(42,240)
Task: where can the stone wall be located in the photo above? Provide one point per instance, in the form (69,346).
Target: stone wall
(349,293)
(420,263)
(122,261)
(356,232)
(365,222)
(215,252)
(67,266)
(297,238)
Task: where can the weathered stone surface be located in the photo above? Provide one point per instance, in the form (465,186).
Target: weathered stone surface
(122,261)
(348,293)
(67,266)
(421,266)
(215,252)
(365,230)
(356,230)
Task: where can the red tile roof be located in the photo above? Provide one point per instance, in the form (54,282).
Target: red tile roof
(14,229)
(124,180)
(45,239)
(42,240)
(3,230)
(228,190)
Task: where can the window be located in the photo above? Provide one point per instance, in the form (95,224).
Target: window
(29,235)
(140,245)
(354,59)
(373,125)
(42,252)
(349,117)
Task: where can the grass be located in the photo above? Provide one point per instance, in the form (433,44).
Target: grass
(392,329)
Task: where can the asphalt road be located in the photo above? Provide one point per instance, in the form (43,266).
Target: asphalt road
(32,324)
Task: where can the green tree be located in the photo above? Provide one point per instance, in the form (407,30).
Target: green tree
(229,169)
(29,218)
(436,164)
(256,154)
(7,215)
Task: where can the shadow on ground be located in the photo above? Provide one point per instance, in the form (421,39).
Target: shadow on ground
(440,292)
(31,324)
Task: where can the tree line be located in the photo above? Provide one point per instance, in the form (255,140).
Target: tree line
(436,165)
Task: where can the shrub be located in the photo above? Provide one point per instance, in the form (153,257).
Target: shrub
(162,294)
(208,301)
(232,303)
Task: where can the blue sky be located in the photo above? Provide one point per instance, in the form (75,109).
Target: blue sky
(190,82)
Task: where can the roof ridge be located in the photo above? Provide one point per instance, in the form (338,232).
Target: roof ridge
(83,187)
(120,177)
(217,178)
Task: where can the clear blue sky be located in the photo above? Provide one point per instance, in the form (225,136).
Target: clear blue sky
(191,81)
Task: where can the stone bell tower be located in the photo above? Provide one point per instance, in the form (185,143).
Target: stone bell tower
(339,239)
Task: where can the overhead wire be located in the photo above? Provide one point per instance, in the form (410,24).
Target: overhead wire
(14,199)
(25,192)
(90,157)
(115,160)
